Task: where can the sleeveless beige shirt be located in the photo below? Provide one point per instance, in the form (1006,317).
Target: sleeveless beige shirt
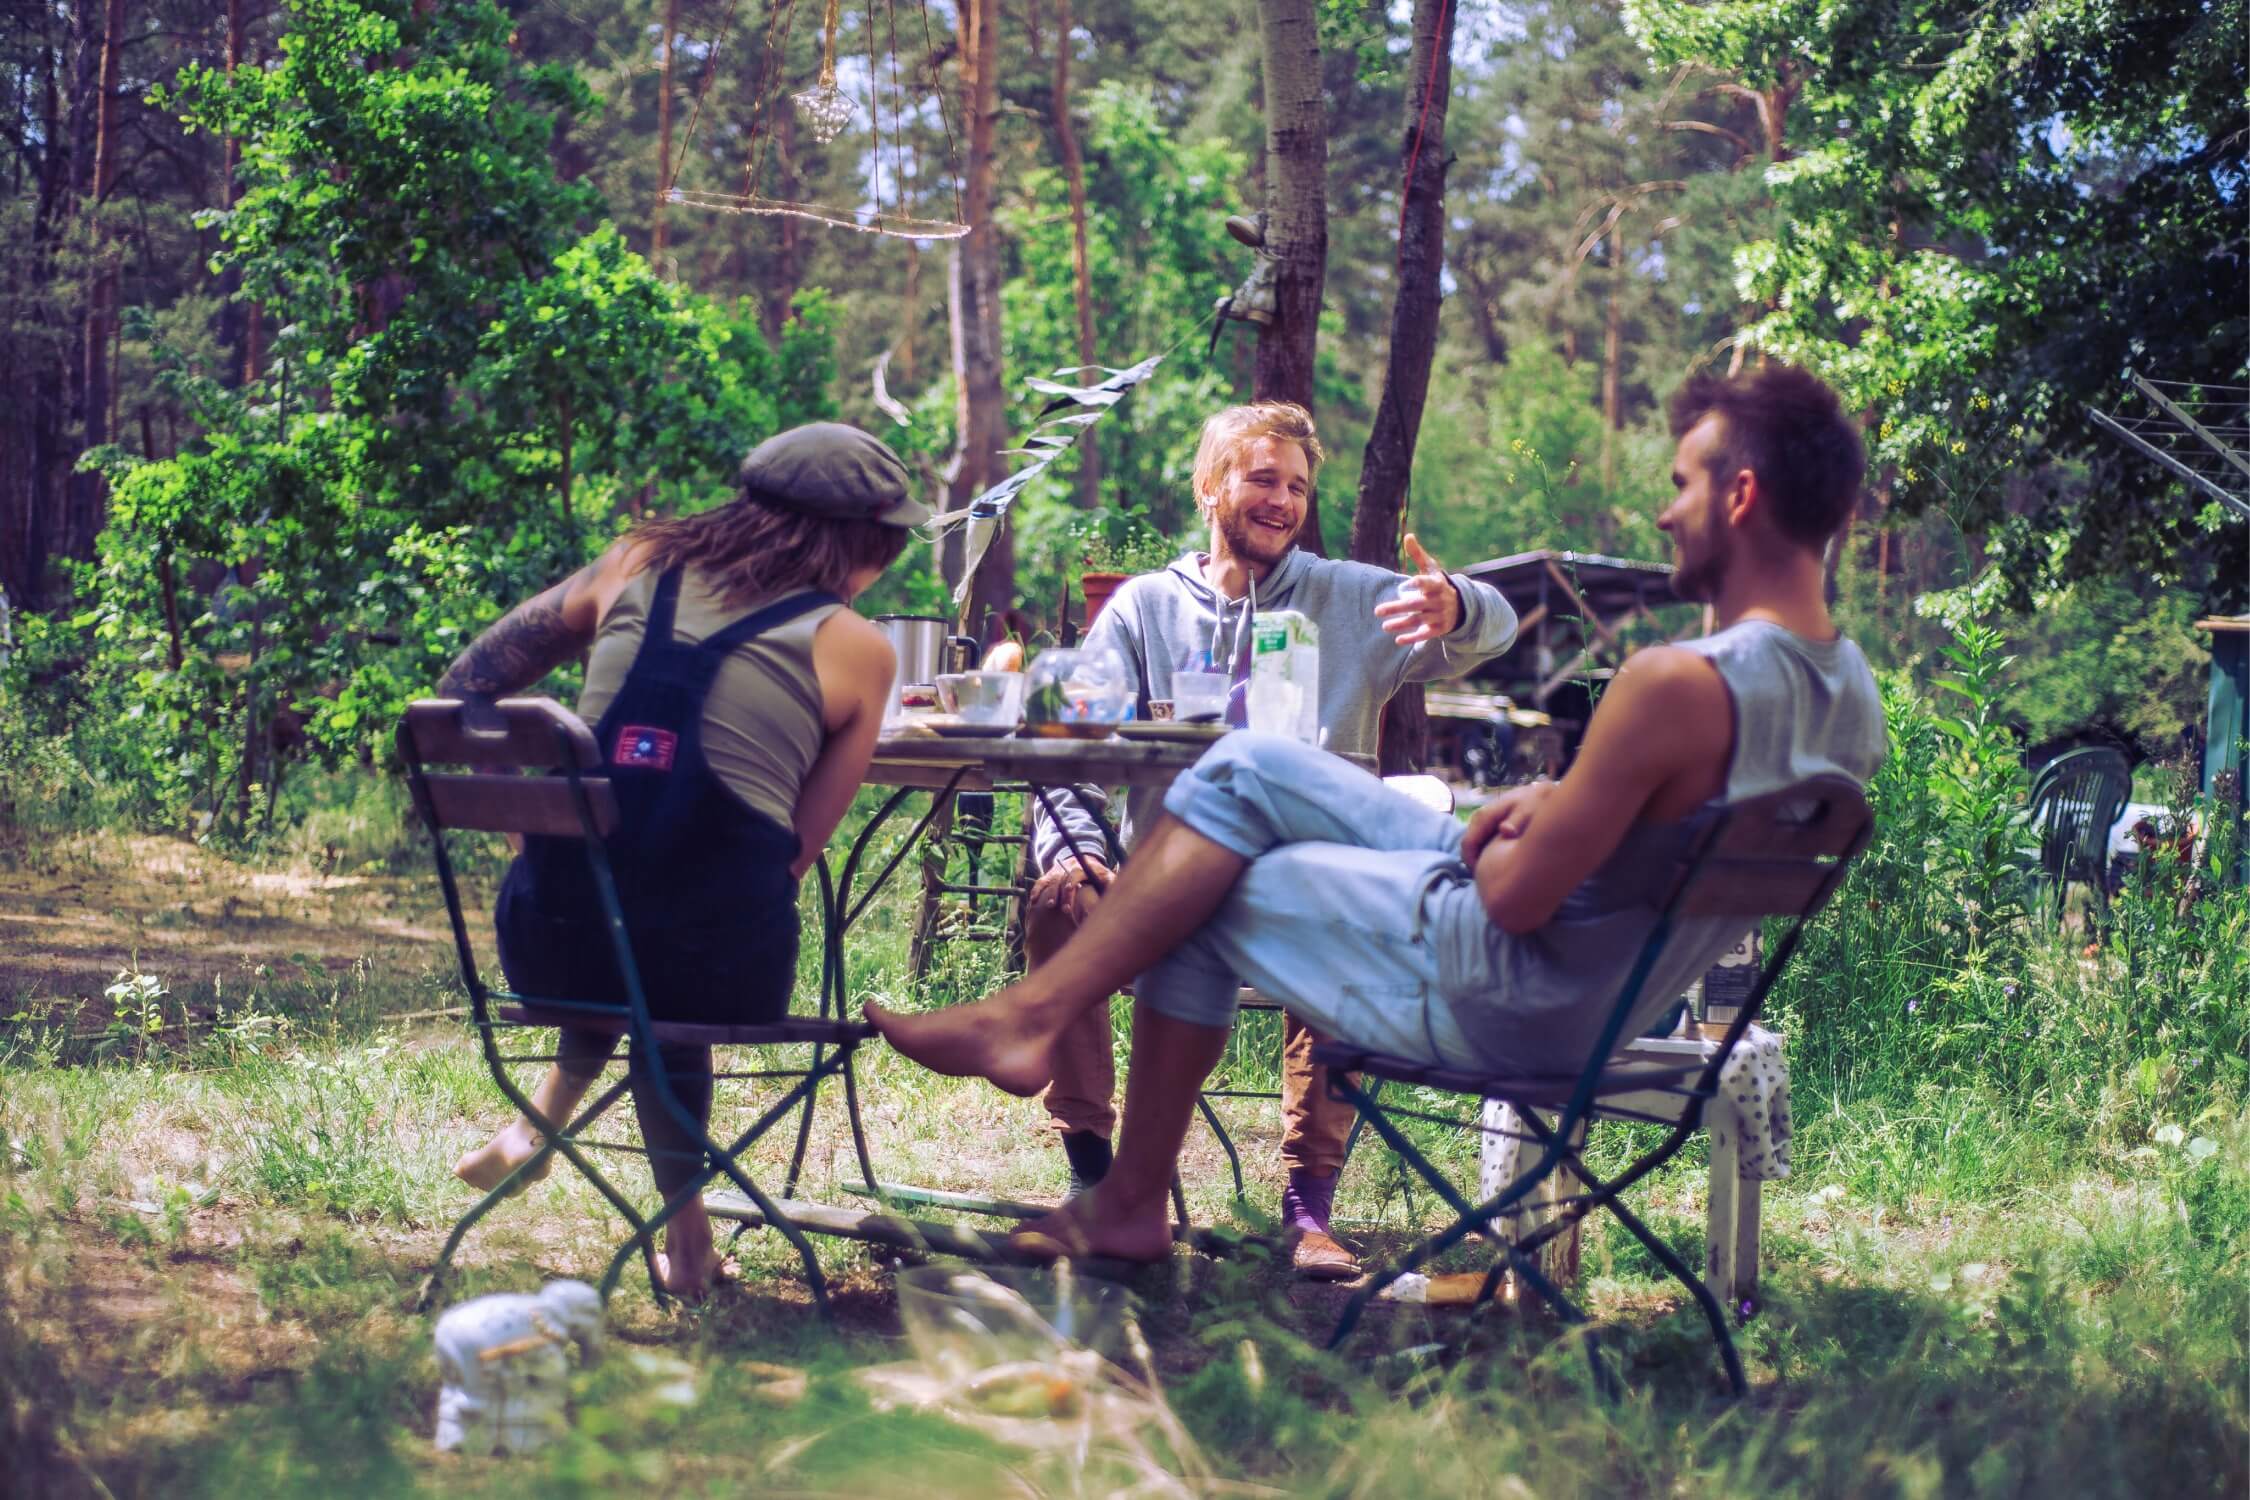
(763,722)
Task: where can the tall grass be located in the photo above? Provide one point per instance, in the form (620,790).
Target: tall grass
(2014,1258)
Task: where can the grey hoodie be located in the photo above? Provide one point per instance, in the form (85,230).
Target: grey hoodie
(1171,621)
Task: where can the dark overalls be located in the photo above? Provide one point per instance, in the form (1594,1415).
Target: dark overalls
(703,879)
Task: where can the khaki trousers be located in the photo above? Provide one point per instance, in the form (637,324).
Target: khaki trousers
(1082,1096)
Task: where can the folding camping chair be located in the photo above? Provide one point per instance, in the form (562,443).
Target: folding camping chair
(1780,855)
(503,792)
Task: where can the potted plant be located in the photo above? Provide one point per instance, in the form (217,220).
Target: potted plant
(1114,544)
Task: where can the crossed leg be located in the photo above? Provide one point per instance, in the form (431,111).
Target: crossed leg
(1343,898)
(1176,879)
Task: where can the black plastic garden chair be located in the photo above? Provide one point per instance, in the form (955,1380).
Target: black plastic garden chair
(2074,800)
(1780,855)
(533,767)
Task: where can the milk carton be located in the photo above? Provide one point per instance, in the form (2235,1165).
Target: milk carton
(1284,692)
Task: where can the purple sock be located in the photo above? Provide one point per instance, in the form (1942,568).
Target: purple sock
(1307,1200)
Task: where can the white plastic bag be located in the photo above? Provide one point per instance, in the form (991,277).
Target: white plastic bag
(505,1364)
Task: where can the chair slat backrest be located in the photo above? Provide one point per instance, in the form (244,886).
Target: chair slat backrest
(512,734)
(503,742)
(1781,854)
(520,804)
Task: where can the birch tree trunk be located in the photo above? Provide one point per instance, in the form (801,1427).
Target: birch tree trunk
(1296,211)
(1387,465)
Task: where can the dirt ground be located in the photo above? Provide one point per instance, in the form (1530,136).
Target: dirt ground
(73,914)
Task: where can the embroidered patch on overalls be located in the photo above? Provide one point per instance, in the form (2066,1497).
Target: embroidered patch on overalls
(639,745)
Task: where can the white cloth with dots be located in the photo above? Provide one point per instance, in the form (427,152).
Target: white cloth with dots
(1751,1111)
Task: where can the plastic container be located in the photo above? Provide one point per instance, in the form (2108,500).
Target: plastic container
(1284,693)
(1199,695)
(963,1321)
(982,697)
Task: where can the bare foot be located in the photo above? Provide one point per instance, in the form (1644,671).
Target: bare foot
(689,1264)
(486,1167)
(689,1280)
(993,1038)
(1084,1228)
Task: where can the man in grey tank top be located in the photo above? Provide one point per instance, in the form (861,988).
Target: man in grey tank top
(1499,945)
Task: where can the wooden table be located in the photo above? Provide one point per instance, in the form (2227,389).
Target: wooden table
(974,765)
(1046,768)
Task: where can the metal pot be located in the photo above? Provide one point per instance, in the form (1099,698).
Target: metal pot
(923,646)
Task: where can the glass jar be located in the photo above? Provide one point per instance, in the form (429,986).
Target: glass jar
(1081,689)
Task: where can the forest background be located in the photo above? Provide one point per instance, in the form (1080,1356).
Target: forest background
(328,329)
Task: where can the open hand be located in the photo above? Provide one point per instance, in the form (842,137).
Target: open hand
(1507,816)
(1430,608)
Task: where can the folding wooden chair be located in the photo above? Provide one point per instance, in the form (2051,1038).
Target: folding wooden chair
(1780,855)
(532,767)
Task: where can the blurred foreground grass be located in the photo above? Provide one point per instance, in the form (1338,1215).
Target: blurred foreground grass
(207,1255)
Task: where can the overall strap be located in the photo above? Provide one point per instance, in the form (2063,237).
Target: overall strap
(662,607)
(757,623)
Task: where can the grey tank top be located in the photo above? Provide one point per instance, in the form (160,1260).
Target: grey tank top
(764,722)
(1802,708)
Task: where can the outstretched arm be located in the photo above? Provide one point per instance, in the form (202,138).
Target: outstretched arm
(1452,621)
(538,635)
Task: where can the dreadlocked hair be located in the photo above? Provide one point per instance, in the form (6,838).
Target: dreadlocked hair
(751,550)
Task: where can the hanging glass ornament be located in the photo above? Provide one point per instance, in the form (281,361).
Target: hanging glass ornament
(827,108)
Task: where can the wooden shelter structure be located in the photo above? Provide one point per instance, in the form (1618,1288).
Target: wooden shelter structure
(1577,613)
(1572,610)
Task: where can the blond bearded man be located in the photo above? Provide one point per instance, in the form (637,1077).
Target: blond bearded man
(1254,474)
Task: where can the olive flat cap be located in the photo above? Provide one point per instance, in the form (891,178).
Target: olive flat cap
(833,470)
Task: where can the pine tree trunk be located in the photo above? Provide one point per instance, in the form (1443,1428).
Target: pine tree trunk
(1613,406)
(1296,211)
(1387,465)
(88,491)
(789,258)
(983,401)
(663,138)
(1081,279)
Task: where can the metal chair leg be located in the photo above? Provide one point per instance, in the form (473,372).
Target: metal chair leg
(804,1130)
(1226,1144)
(1712,1312)
(552,1143)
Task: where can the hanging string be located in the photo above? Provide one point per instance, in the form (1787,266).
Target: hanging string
(781,19)
(945,116)
(710,71)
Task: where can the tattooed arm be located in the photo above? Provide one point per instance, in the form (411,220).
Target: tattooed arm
(539,634)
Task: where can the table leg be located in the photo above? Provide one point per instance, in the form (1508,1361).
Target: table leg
(934,855)
(1722,1232)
